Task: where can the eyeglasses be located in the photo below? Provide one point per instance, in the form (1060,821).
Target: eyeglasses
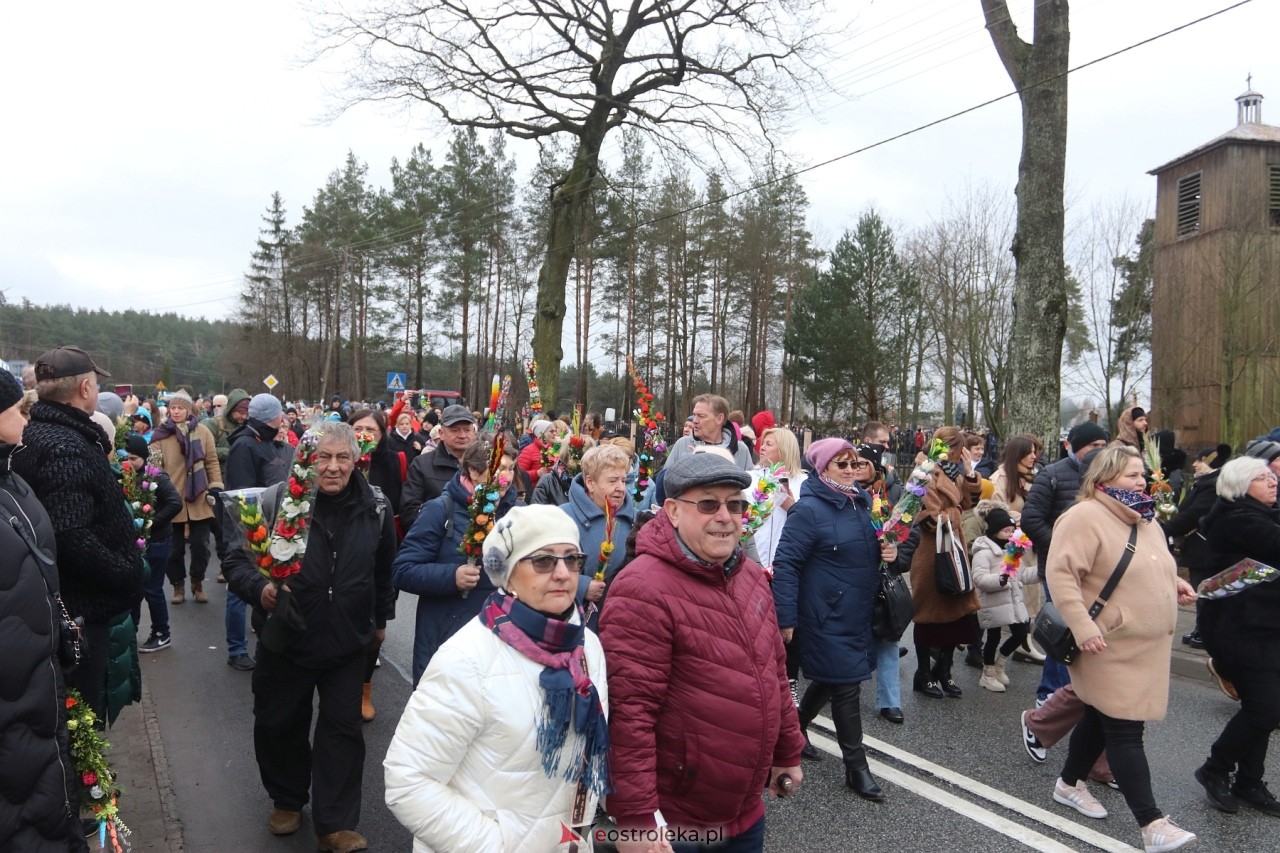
(710,506)
(1265,478)
(855,464)
(544,564)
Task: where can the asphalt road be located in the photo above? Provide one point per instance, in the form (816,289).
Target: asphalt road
(955,774)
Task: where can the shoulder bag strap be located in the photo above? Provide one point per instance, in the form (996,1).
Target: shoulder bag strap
(1114,580)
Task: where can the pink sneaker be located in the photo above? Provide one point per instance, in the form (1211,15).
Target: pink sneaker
(1163,835)
(1079,799)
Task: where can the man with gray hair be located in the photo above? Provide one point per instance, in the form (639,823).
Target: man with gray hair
(334,607)
(64,459)
(711,427)
(678,676)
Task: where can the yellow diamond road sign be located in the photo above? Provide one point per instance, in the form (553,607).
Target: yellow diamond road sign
(271,381)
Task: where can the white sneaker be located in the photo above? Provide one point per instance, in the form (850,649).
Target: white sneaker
(1082,801)
(990,681)
(1038,752)
(1163,835)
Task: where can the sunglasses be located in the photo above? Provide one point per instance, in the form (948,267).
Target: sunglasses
(855,464)
(710,506)
(544,564)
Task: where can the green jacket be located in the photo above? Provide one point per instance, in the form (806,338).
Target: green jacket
(222,426)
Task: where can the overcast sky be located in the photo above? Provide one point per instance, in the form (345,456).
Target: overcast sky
(142,141)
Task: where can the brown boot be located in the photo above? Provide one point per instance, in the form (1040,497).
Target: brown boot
(367,711)
(179,593)
(197,592)
(284,822)
(342,841)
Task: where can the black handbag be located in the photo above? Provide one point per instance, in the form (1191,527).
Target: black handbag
(1051,632)
(950,563)
(893,610)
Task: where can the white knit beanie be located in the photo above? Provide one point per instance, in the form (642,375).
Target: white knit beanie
(521,532)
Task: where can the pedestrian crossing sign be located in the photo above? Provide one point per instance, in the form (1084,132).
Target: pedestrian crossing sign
(395,381)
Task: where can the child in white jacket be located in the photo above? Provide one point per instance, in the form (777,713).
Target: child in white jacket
(1002,600)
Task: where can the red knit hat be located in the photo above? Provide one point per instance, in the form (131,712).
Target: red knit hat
(762,421)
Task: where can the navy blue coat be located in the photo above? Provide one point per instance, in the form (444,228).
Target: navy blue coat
(427,566)
(590,521)
(825,578)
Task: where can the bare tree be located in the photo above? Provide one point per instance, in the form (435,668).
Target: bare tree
(1039,71)
(581,68)
(1112,369)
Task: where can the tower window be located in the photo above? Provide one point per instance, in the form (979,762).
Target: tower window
(1273,206)
(1189,205)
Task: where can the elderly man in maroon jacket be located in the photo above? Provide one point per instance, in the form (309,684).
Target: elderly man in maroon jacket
(702,720)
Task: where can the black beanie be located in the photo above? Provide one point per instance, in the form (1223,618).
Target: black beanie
(998,519)
(1215,457)
(11,392)
(1085,434)
(136,445)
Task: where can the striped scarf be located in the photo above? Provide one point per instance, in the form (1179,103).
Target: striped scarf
(570,696)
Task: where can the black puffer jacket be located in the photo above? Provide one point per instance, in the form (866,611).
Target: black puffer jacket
(428,475)
(64,458)
(1240,631)
(1052,493)
(256,458)
(1196,554)
(38,809)
(344,589)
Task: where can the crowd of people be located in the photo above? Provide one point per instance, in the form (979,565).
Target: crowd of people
(602,654)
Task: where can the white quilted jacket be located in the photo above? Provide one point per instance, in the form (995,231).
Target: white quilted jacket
(463,772)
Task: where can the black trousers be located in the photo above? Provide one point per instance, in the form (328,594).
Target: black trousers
(1242,746)
(1122,739)
(333,769)
(197,534)
(1017,633)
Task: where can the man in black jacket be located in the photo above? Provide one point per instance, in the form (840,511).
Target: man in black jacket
(343,593)
(65,461)
(429,472)
(1052,493)
(257,458)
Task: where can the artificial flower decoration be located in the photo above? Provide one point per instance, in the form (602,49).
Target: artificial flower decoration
(652,448)
(140,495)
(1237,578)
(278,556)
(1158,487)
(1018,545)
(764,496)
(535,394)
(483,509)
(98,792)
(895,527)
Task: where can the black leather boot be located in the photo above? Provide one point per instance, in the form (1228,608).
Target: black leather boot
(924,682)
(846,712)
(942,673)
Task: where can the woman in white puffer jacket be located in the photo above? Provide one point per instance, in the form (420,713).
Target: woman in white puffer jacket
(509,720)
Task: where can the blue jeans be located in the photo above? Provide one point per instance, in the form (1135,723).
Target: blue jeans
(1054,674)
(157,555)
(888,691)
(236,643)
(750,840)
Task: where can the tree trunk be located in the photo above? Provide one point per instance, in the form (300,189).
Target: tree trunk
(1038,70)
(570,202)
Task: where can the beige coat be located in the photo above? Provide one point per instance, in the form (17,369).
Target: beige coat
(175,465)
(943,496)
(1129,679)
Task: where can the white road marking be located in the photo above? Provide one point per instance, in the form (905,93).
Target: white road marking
(972,810)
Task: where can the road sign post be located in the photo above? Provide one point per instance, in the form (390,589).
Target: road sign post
(396,381)
(271,382)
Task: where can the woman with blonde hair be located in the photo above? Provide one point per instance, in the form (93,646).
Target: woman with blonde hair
(1122,674)
(600,506)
